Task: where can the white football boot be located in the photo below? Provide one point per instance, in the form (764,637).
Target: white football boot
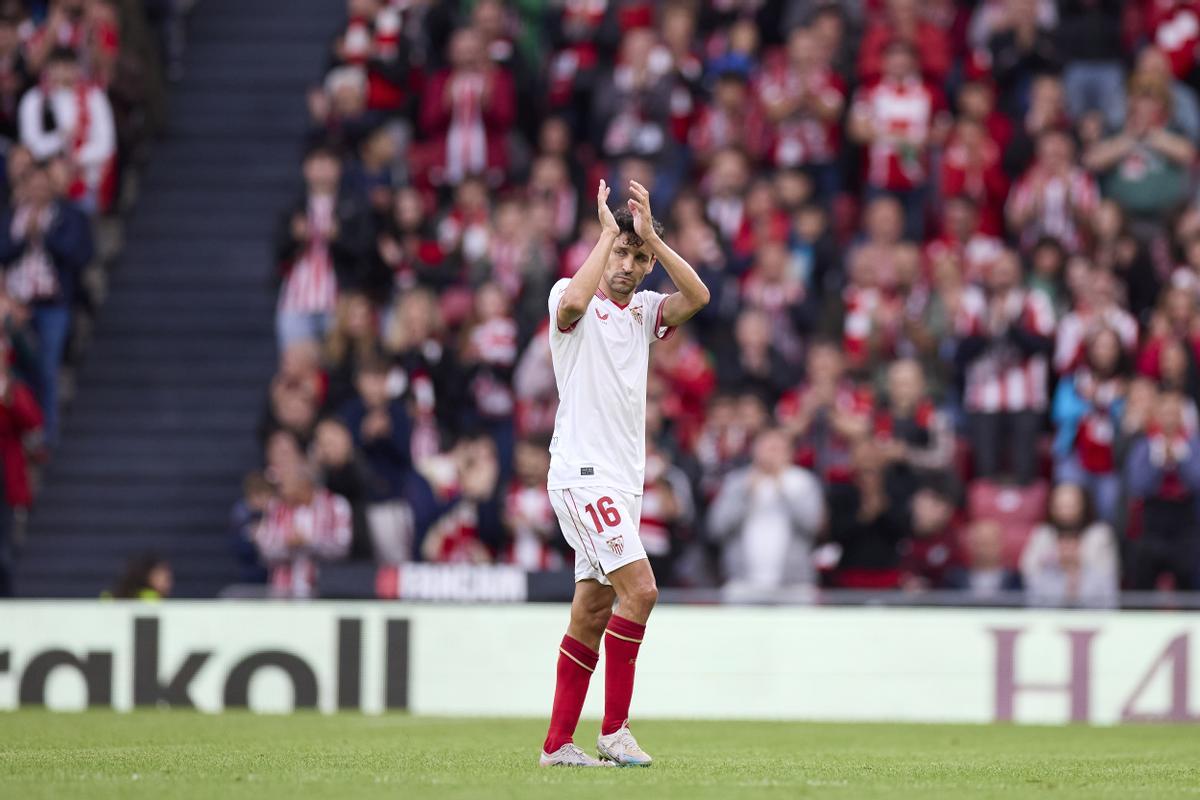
(570,756)
(622,749)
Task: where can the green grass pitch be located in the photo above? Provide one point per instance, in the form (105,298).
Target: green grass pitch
(172,755)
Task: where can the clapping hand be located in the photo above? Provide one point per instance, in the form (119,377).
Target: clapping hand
(608,223)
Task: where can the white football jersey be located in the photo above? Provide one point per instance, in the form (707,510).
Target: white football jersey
(600,366)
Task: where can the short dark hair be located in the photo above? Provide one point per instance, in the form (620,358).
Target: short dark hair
(624,218)
(63,55)
(372,366)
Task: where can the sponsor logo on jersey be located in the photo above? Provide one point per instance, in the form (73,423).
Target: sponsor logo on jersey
(598,314)
(617,545)
(586,471)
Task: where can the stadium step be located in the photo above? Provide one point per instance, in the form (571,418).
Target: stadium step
(174,382)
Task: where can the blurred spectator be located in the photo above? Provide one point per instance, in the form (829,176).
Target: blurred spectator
(382,432)
(732,119)
(1089,33)
(867,521)
(467,111)
(1054,197)
(755,365)
(1096,308)
(902,23)
(986,576)
(321,247)
(488,357)
(826,415)
(1020,50)
(15,75)
(1174,27)
(459,506)
(372,42)
(20,421)
(971,167)
(535,542)
(1163,472)
(65,116)
(245,517)
(373,174)
(915,436)
(1007,338)
(1047,111)
(84,26)
(340,469)
(1072,559)
(804,99)
(297,393)
(338,110)
(352,341)
(930,557)
(1153,67)
(146,577)
(1088,405)
(765,517)
(407,252)
(303,524)
(667,511)
(897,119)
(45,243)
(1144,167)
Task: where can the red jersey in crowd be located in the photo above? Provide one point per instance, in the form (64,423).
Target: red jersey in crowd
(291,538)
(820,449)
(801,138)
(1063,201)
(1175,28)
(1094,437)
(1070,343)
(902,114)
(976,254)
(1002,378)
(580,23)
(468,114)
(366,42)
(310,283)
(981,180)
(19,416)
(865,307)
(690,378)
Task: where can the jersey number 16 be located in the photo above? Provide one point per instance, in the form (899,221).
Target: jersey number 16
(611,516)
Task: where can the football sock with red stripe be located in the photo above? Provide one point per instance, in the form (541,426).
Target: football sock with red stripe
(576,663)
(621,642)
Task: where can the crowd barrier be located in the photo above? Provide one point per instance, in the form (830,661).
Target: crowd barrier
(793,663)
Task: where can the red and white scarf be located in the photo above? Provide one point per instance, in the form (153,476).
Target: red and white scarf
(466,141)
(311,285)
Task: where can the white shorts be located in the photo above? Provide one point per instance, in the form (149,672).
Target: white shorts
(601,525)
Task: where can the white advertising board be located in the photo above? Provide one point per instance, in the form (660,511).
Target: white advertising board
(697,662)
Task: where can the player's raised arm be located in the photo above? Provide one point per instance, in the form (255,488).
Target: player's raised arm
(693,294)
(583,285)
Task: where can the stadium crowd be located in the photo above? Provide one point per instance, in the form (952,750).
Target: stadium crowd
(80,96)
(954,257)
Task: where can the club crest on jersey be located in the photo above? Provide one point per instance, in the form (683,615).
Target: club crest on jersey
(617,545)
(601,316)
(636,313)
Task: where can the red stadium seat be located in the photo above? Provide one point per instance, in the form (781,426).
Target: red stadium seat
(1018,509)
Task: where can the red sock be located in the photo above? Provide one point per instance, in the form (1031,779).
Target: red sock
(576,663)
(621,642)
